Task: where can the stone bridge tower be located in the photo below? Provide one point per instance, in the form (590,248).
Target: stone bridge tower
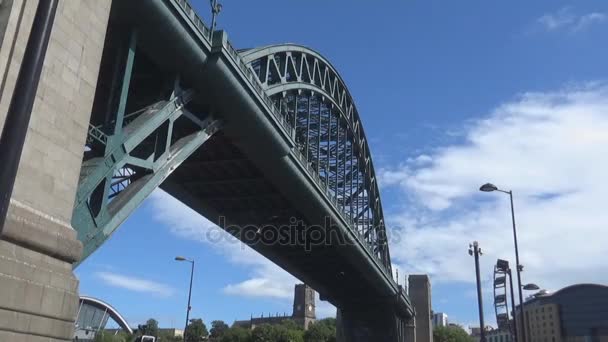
(38,290)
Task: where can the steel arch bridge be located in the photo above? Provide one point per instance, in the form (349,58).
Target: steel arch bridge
(258,141)
(314,101)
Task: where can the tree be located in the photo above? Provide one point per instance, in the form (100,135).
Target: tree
(287,333)
(196,330)
(321,331)
(150,328)
(236,334)
(291,325)
(218,329)
(450,334)
(263,333)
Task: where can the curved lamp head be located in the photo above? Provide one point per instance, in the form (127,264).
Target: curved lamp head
(180,258)
(488,187)
(531,287)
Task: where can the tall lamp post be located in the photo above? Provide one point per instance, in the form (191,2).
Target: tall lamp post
(488,187)
(475,251)
(179,258)
(216,8)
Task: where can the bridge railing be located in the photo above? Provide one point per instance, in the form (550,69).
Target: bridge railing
(196,19)
(257,85)
(274,110)
(233,53)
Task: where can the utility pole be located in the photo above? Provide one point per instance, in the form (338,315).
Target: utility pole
(475,251)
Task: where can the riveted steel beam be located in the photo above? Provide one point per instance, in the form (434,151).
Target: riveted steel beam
(111,186)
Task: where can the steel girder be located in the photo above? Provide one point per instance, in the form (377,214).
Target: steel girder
(136,160)
(313,99)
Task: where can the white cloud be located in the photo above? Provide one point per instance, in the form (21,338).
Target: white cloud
(259,287)
(559,19)
(565,19)
(135,284)
(590,19)
(548,148)
(265,279)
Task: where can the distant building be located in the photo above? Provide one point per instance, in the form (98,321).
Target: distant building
(577,313)
(303,311)
(171,332)
(419,290)
(498,335)
(475,332)
(440,320)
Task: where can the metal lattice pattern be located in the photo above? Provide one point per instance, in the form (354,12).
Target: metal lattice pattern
(132,163)
(313,99)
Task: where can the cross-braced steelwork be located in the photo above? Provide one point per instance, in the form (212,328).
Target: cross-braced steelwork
(130,156)
(313,99)
(133,164)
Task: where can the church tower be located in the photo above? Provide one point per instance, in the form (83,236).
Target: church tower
(304,305)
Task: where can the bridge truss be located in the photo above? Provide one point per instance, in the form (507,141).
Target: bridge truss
(312,98)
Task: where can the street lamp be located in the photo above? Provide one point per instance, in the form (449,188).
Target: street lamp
(488,187)
(475,251)
(180,258)
(216,8)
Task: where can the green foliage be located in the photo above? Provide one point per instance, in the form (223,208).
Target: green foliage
(450,334)
(218,329)
(150,328)
(284,332)
(262,333)
(236,334)
(291,325)
(196,330)
(321,331)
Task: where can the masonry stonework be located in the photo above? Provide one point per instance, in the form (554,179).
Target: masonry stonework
(39,296)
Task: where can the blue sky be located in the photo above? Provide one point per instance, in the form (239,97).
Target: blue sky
(451,94)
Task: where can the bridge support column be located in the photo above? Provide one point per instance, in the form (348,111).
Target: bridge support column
(38,290)
(369,323)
